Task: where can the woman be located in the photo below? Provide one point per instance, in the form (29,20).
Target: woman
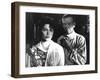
(46,52)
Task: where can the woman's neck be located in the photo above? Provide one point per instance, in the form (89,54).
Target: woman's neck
(45,44)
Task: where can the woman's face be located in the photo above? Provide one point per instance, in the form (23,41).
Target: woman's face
(47,32)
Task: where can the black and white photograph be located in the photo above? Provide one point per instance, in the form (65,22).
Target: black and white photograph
(51,39)
(57,39)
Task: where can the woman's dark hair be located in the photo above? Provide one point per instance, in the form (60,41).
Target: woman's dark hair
(41,26)
(46,21)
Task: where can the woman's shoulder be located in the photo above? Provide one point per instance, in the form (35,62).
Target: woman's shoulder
(58,49)
(34,47)
(57,46)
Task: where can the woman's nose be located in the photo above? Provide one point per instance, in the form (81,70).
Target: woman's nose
(48,32)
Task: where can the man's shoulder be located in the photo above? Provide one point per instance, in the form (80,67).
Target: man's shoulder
(80,37)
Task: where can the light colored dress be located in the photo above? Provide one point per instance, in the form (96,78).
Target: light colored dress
(54,56)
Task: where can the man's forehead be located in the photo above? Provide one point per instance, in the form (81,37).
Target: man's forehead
(67,19)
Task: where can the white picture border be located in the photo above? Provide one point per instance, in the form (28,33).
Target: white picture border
(54,69)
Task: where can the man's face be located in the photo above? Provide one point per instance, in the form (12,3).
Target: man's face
(47,32)
(67,23)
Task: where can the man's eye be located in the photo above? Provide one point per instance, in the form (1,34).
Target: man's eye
(67,23)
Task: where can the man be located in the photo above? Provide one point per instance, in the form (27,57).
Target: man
(73,43)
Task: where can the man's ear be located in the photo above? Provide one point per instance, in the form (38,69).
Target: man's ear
(74,25)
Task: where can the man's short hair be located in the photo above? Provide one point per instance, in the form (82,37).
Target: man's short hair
(68,15)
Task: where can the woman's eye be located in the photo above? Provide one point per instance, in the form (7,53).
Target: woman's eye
(44,30)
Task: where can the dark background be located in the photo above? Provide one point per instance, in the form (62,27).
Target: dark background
(33,21)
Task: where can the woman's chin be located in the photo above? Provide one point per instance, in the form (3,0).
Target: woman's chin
(46,39)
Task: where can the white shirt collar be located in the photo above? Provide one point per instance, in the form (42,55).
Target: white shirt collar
(71,34)
(39,45)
